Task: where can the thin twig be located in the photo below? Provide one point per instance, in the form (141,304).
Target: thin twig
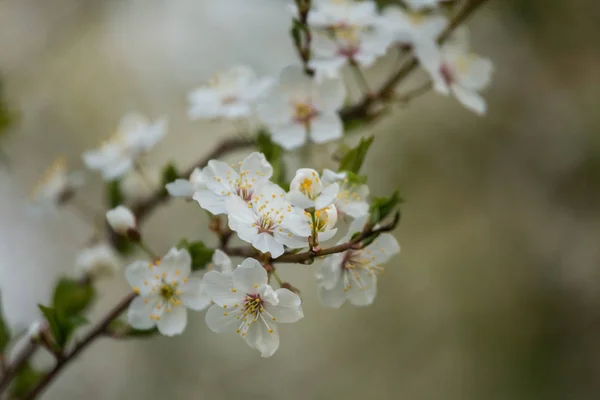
(87,340)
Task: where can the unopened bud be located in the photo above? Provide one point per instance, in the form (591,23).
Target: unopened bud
(122,221)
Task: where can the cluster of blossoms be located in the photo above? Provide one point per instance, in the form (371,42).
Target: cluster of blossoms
(280,221)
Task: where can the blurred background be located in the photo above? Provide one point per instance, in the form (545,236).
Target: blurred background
(496,294)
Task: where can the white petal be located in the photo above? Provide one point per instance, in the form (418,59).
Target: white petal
(222,261)
(293,241)
(334,297)
(294,80)
(299,200)
(249,276)
(328,196)
(238,208)
(217,176)
(219,320)
(325,236)
(266,243)
(210,201)
(330,176)
(173,322)
(330,95)
(139,312)
(478,74)
(384,247)
(289,136)
(194,294)
(117,168)
(362,293)
(355,226)
(180,188)
(177,260)
(257,166)
(289,308)
(327,68)
(137,273)
(330,272)
(325,128)
(260,338)
(220,288)
(470,99)
(275,110)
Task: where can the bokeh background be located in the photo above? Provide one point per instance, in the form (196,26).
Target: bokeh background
(496,293)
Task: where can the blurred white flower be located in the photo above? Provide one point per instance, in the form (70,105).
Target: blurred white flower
(97,261)
(351,199)
(463,74)
(165,289)
(223,181)
(121,219)
(419,31)
(268,222)
(307,190)
(302,107)
(187,187)
(423,4)
(134,137)
(352,275)
(56,186)
(246,304)
(345,32)
(137,186)
(228,95)
(325,221)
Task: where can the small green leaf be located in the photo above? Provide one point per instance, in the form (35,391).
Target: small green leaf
(4,331)
(25,380)
(55,323)
(201,255)
(72,297)
(169,174)
(354,158)
(353,125)
(295,31)
(381,207)
(274,154)
(355,179)
(114,195)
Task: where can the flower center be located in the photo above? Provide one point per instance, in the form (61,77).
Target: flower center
(253,305)
(321,219)
(229,100)
(347,39)
(167,292)
(304,113)
(353,263)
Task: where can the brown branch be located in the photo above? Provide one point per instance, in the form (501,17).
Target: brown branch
(98,331)
(357,243)
(13,368)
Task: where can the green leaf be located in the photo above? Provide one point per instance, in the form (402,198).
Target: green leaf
(72,297)
(201,255)
(382,207)
(4,331)
(354,179)
(169,174)
(25,380)
(114,195)
(354,158)
(55,323)
(274,154)
(353,125)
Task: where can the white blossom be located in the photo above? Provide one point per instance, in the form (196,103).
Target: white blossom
(423,4)
(223,181)
(134,137)
(302,107)
(325,220)
(121,219)
(246,304)
(165,290)
(97,261)
(419,31)
(228,95)
(307,190)
(138,185)
(268,221)
(187,187)
(345,33)
(352,275)
(463,74)
(56,186)
(351,199)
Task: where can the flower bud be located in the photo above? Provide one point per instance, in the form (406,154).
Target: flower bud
(121,220)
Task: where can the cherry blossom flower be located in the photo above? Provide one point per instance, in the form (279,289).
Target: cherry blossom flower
(246,304)
(165,291)
(121,220)
(324,222)
(187,187)
(56,186)
(134,137)
(268,221)
(223,181)
(345,33)
(136,186)
(228,95)
(352,275)
(307,190)
(463,74)
(97,261)
(302,107)
(417,30)
(351,199)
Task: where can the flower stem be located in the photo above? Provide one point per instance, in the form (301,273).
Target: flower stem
(142,245)
(277,278)
(361,79)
